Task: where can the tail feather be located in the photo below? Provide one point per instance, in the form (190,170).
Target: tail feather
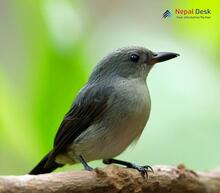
(41,169)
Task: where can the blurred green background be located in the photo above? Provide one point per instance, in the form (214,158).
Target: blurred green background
(49,47)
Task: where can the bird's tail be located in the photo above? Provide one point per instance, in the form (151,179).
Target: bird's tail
(41,169)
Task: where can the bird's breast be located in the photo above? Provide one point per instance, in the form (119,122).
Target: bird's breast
(131,114)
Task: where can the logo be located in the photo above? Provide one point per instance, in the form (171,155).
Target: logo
(167,14)
(188,13)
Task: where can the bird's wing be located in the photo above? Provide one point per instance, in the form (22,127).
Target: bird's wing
(89,106)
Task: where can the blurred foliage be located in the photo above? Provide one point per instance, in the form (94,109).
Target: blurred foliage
(48,49)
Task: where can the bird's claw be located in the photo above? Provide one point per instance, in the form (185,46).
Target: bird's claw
(149,168)
(142,169)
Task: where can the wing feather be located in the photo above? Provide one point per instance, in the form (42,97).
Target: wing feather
(89,106)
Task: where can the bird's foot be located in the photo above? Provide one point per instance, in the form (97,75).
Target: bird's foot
(142,169)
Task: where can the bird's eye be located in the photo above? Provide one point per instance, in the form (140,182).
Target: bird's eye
(134,57)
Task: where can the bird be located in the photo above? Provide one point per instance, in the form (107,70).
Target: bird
(108,114)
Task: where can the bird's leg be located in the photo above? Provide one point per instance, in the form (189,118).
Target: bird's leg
(84,163)
(142,169)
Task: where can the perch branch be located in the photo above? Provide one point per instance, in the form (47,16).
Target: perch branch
(112,179)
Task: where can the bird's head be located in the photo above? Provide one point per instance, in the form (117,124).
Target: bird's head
(129,62)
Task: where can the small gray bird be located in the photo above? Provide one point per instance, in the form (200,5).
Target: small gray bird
(108,114)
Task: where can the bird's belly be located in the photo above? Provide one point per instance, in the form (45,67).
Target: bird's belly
(122,137)
(99,142)
(105,145)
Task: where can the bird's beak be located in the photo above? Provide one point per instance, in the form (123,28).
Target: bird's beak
(162,56)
